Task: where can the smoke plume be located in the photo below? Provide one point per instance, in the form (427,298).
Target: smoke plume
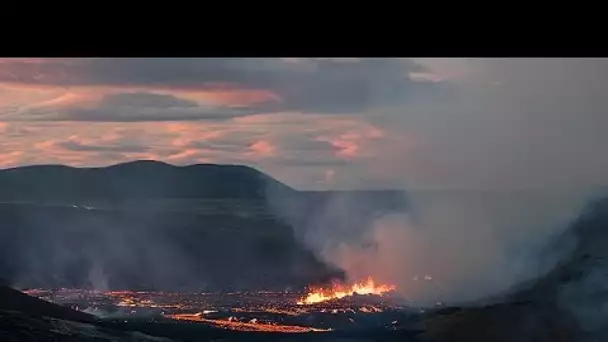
(497,166)
(442,246)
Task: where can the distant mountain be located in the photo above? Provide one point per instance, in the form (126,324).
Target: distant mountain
(151,225)
(138,179)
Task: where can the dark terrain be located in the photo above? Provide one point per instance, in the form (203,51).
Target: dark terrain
(150,225)
(110,228)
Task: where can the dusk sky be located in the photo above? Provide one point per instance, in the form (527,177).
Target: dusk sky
(318,123)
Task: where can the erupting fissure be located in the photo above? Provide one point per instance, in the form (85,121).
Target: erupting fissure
(338,291)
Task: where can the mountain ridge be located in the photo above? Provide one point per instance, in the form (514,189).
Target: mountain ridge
(140,178)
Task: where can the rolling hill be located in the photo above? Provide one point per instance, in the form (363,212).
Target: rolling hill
(138,179)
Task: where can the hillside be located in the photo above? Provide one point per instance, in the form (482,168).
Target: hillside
(13,300)
(152,225)
(138,179)
(566,304)
(25,318)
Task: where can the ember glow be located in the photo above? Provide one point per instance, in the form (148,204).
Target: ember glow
(252,325)
(255,311)
(338,291)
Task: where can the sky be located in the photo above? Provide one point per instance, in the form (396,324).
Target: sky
(318,123)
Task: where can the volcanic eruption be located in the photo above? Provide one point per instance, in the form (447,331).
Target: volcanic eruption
(339,291)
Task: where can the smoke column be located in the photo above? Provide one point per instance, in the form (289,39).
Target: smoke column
(449,247)
(499,165)
(460,246)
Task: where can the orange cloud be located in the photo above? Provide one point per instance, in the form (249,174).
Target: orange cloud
(46,145)
(178,127)
(32,96)
(184,154)
(262,148)
(10,159)
(187,133)
(346,148)
(62,100)
(225,96)
(276,142)
(50,151)
(349,144)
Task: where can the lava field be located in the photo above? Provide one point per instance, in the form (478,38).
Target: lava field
(242,311)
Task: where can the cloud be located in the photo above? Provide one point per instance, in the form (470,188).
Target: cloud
(9,159)
(146,100)
(513,124)
(436,123)
(293,152)
(309,85)
(74,145)
(262,148)
(138,107)
(13,130)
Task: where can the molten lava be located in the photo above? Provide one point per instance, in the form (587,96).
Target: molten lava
(252,325)
(367,287)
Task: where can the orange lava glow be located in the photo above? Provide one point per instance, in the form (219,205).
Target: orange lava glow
(367,287)
(252,325)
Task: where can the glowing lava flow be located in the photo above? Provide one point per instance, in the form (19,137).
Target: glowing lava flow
(252,325)
(366,287)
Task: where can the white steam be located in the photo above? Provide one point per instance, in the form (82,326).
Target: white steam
(507,148)
(466,245)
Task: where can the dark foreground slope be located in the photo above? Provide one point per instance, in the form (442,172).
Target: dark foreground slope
(567,304)
(13,300)
(25,318)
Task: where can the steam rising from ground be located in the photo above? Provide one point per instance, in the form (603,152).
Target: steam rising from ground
(467,245)
(502,125)
(471,244)
(510,125)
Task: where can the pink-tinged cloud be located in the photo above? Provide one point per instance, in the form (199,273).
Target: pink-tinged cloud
(262,148)
(185,134)
(52,152)
(226,96)
(10,159)
(270,118)
(47,145)
(358,140)
(329,175)
(280,142)
(376,133)
(189,156)
(63,100)
(179,127)
(345,148)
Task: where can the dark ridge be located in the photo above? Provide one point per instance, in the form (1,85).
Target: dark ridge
(583,269)
(566,304)
(137,179)
(13,300)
